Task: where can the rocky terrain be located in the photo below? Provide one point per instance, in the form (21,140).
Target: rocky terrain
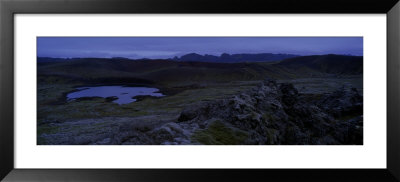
(271,113)
(315,100)
(268,114)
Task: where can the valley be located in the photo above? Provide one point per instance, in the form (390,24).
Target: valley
(189,85)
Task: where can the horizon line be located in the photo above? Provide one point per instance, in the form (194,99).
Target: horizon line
(297,55)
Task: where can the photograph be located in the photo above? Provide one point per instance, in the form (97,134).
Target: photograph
(199,90)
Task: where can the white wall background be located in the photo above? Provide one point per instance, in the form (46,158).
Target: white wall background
(370,155)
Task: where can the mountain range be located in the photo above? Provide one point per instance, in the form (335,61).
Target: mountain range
(223,58)
(234,58)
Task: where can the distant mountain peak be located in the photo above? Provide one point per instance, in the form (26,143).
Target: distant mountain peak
(225,54)
(234,58)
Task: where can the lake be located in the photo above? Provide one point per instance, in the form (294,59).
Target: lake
(123,93)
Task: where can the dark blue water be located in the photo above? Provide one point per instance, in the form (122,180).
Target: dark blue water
(124,94)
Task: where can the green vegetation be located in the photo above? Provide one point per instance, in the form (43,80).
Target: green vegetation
(53,108)
(326,84)
(219,134)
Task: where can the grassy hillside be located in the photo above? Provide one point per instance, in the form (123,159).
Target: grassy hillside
(95,70)
(334,64)
(152,71)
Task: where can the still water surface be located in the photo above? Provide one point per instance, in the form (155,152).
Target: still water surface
(123,93)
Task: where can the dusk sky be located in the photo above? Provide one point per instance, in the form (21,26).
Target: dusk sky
(168,47)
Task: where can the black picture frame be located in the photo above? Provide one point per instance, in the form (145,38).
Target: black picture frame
(8,8)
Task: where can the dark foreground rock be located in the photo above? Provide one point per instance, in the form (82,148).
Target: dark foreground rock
(273,113)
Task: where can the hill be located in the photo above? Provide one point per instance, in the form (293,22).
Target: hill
(333,64)
(102,70)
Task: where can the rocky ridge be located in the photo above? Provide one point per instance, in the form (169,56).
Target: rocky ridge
(272,113)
